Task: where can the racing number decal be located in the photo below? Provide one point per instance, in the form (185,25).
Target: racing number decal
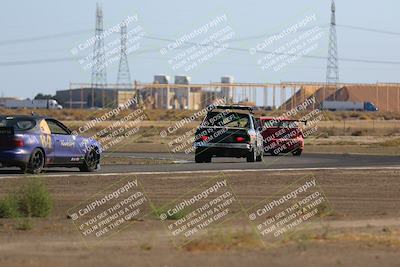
(45,137)
(46,141)
(44,127)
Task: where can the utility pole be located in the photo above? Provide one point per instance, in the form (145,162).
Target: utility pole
(99,73)
(332,72)
(124,76)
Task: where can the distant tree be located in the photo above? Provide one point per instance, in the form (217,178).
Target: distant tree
(43,96)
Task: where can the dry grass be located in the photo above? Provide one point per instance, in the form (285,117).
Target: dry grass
(88,114)
(333,124)
(221,240)
(383,237)
(391,143)
(325,129)
(370,240)
(224,239)
(145,246)
(175,115)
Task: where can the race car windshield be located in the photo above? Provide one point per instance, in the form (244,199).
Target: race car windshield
(222,119)
(18,124)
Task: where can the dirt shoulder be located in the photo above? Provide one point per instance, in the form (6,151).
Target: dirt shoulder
(362,230)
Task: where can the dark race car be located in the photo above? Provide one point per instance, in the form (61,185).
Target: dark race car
(229,131)
(33,143)
(282,136)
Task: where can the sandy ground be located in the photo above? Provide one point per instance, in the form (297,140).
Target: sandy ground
(362,229)
(331,145)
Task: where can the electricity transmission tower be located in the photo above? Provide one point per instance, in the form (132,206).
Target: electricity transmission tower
(124,76)
(99,73)
(332,72)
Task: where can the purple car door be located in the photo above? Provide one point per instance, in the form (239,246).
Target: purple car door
(66,149)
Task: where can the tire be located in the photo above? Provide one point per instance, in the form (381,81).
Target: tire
(91,161)
(202,158)
(198,158)
(297,153)
(259,157)
(252,156)
(36,162)
(207,159)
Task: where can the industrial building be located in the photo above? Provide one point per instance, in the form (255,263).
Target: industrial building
(161,94)
(386,97)
(183,95)
(87,97)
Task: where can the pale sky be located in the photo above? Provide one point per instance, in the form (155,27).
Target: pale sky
(25,69)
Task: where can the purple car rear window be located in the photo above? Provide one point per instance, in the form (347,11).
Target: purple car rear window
(18,124)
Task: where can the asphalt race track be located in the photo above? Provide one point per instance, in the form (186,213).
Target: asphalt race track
(182,162)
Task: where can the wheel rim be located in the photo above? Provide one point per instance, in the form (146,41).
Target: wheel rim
(37,161)
(91,159)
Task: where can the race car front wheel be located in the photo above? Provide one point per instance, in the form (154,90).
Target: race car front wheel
(92,160)
(297,152)
(36,162)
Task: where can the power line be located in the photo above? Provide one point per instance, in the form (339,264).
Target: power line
(368,61)
(266,35)
(368,29)
(63,59)
(230,63)
(284,54)
(44,37)
(37,61)
(79,32)
(66,59)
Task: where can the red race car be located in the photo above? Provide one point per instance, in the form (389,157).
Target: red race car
(282,136)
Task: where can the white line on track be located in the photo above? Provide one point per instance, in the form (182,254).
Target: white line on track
(206,171)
